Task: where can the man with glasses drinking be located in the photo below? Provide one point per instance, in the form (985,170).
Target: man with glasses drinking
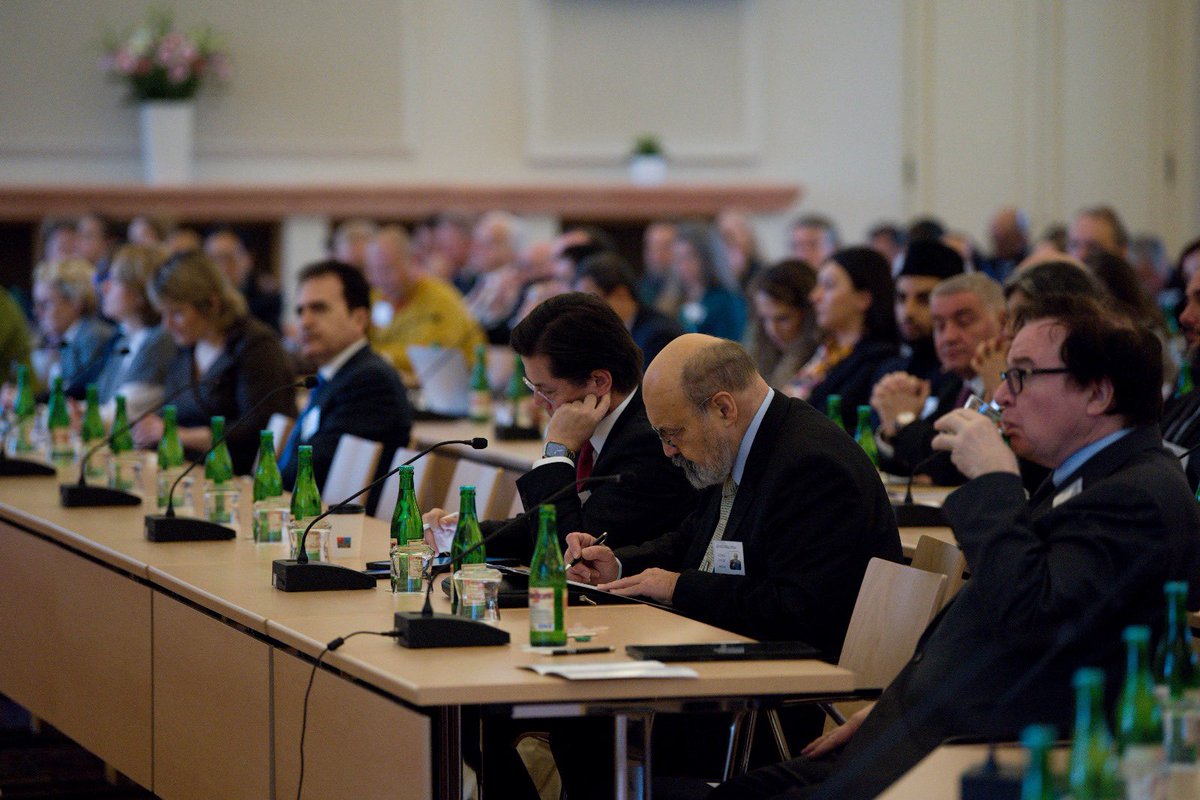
(1054,579)
(584,369)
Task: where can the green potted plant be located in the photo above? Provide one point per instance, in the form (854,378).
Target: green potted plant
(647,162)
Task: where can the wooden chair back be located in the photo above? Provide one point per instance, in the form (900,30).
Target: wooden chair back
(894,605)
(485,478)
(280,426)
(934,555)
(353,467)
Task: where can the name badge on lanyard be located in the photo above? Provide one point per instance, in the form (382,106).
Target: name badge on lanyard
(728,558)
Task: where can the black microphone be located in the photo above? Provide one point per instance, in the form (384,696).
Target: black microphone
(81,495)
(166,527)
(299,575)
(910,514)
(424,629)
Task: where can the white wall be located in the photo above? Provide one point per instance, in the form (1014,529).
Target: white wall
(879,108)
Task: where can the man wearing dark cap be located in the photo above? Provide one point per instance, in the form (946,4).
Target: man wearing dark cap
(925,263)
(964,310)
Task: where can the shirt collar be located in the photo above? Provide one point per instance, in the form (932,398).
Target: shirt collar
(739,465)
(1081,456)
(328,370)
(605,426)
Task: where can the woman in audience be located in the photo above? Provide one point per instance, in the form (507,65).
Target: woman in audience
(75,341)
(711,305)
(138,374)
(853,300)
(232,360)
(741,247)
(783,332)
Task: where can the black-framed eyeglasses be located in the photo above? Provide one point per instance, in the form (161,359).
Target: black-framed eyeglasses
(1015,377)
(669,435)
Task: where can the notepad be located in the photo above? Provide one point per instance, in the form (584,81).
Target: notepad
(612,670)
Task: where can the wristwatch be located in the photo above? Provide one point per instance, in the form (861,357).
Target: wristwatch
(556,450)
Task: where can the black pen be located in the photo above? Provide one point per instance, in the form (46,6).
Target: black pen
(599,541)
(579,651)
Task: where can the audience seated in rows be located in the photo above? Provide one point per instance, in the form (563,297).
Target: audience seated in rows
(712,304)
(75,341)
(783,327)
(261,291)
(610,278)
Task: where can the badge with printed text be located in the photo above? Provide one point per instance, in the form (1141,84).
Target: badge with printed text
(1066,494)
(728,558)
(311,423)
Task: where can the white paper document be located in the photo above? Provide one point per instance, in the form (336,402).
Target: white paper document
(612,670)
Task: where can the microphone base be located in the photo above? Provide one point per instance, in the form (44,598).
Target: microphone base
(289,575)
(74,495)
(989,781)
(24,468)
(415,630)
(161,528)
(915,515)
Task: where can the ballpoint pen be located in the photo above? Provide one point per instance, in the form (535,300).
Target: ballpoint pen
(599,541)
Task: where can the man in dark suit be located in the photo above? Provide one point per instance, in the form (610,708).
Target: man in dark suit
(610,278)
(357,392)
(784,489)
(585,370)
(965,310)
(785,492)
(1054,580)
(1181,417)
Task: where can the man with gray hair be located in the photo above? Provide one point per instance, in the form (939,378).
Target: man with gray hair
(966,310)
(813,239)
(496,294)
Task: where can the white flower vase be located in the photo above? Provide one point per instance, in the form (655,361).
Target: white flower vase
(167,130)
(648,170)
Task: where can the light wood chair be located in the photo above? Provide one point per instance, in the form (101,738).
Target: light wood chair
(934,555)
(353,467)
(485,478)
(895,604)
(391,487)
(280,425)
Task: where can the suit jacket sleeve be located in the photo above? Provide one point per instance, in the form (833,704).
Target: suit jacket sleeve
(1038,581)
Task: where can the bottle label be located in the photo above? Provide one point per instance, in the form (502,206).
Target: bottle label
(543,601)
(481,405)
(1141,767)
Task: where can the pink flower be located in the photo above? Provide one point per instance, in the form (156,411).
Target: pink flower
(178,73)
(125,61)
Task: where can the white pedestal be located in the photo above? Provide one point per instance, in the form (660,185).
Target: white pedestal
(648,170)
(166,132)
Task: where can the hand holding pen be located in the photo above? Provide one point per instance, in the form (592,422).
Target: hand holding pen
(601,539)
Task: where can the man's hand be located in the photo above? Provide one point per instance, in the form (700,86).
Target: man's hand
(599,565)
(148,432)
(896,393)
(975,444)
(836,738)
(574,423)
(990,359)
(440,532)
(657,584)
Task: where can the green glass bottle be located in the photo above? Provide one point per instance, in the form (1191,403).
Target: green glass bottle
(1176,666)
(1038,783)
(218,473)
(1094,772)
(269,504)
(306,504)
(58,424)
(481,390)
(409,553)
(170,461)
(1139,718)
(833,409)
(122,467)
(25,411)
(520,399)
(865,436)
(466,536)
(92,434)
(547,584)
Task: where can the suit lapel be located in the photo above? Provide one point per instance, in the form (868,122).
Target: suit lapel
(756,465)
(626,425)
(1101,465)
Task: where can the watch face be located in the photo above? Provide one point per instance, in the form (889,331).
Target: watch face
(555,450)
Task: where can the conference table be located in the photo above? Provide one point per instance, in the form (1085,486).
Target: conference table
(184,669)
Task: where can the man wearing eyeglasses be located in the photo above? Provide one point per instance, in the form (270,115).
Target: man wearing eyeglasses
(1055,578)
(584,370)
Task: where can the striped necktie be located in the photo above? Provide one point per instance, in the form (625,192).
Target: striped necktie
(728,491)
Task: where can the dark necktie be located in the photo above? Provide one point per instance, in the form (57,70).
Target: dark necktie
(583,467)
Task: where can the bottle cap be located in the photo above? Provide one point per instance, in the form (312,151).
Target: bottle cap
(1088,677)
(1175,587)
(1136,633)
(1039,737)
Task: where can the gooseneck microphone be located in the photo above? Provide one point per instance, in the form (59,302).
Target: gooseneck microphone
(424,628)
(910,514)
(300,575)
(166,527)
(82,495)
